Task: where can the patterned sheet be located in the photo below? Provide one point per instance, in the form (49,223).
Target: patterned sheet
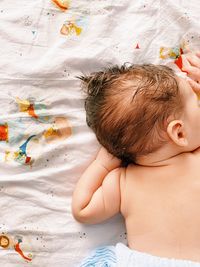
(44,141)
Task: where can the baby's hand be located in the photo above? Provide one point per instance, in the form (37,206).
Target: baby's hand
(107,160)
(191,64)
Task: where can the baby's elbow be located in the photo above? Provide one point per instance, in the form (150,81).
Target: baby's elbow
(80,216)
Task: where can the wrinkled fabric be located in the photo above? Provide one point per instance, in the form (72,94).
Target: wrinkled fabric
(45,143)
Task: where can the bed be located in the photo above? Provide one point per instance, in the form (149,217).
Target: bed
(45,143)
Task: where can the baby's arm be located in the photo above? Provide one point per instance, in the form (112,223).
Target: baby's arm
(97,194)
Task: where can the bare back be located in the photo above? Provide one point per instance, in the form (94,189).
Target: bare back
(161,207)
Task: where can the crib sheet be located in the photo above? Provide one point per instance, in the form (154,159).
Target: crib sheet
(45,143)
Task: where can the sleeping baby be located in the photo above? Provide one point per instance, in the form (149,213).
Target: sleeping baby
(147,120)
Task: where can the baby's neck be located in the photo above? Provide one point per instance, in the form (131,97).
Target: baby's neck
(166,155)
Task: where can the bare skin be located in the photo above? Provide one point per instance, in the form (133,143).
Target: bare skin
(161,208)
(159,196)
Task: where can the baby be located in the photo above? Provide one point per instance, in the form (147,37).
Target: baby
(148,121)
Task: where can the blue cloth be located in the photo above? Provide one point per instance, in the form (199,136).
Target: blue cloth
(101,257)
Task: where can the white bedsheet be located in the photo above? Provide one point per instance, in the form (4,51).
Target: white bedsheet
(45,143)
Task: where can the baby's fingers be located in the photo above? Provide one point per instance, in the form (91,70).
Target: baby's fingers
(193,59)
(193,72)
(195,86)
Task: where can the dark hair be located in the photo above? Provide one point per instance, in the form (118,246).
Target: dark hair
(127,107)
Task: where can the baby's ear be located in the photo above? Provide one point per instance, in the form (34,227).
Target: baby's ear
(176,132)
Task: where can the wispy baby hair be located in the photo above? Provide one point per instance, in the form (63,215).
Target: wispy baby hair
(127,107)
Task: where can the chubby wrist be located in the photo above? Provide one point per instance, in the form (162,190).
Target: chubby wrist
(102,164)
(107,160)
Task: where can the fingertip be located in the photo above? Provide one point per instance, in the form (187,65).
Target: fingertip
(185,69)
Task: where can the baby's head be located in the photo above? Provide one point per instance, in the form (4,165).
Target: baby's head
(135,110)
